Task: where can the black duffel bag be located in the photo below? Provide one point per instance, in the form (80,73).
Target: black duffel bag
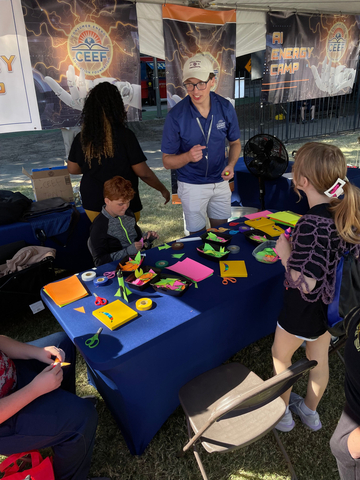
(13,205)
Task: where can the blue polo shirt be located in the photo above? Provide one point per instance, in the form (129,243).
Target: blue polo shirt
(182,132)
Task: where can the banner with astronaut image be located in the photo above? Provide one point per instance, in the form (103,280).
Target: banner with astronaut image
(188,31)
(75,45)
(309,56)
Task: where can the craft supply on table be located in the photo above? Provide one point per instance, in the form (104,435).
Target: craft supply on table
(191,269)
(66,291)
(233,232)
(213,252)
(88,276)
(109,275)
(164,247)
(177,246)
(130,265)
(115,314)
(62,364)
(140,279)
(143,304)
(123,291)
(171,285)
(100,281)
(100,300)
(233,248)
(226,280)
(94,341)
(233,224)
(252,216)
(287,218)
(245,228)
(233,268)
(189,239)
(266,225)
(266,252)
(161,264)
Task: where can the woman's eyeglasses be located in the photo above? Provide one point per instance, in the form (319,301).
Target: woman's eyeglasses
(190,87)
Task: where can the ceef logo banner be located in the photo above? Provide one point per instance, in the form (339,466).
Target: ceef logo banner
(90,48)
(337,41)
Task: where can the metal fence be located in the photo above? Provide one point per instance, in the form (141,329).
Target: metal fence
(332,115)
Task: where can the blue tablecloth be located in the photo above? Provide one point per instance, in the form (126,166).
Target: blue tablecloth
(71,251)
(279,194)
(140,367)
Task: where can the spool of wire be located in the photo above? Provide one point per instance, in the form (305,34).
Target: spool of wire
(161,264)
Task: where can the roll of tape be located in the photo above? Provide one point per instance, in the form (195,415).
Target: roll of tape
(233,248)
(88,276)
(177,246)
(143,304)
(161,264)
(100,281)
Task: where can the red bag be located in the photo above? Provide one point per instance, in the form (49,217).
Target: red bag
(41,469)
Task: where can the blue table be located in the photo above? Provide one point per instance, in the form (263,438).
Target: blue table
(139,368)
(71,251)
(279,194)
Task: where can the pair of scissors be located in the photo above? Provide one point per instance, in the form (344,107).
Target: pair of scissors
(94,340)
(109,275)
(226,280)
(100,300)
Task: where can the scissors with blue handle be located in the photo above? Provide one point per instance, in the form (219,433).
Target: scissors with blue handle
(94,340)
(226,280)
(100,300)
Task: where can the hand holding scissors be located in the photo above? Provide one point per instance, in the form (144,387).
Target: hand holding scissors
(100,300)
(226,280)
(94,340)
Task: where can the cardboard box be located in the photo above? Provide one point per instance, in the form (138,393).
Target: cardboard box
(50,183)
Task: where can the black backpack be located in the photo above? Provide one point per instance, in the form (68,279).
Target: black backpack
(12,206)
(347,295)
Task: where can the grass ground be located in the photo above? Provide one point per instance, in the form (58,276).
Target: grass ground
(308,451)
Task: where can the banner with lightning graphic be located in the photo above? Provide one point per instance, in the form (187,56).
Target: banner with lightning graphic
(18,105)
(75,45)
(188,31)
(309,56)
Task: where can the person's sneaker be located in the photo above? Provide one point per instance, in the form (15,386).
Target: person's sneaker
(286,424)
(312,421)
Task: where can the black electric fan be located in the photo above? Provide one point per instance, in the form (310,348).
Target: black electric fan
(265,156)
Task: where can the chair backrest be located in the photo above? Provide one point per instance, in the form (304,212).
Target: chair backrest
(89,245)
(263,394)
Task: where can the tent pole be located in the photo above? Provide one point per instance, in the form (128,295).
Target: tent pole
(157,90)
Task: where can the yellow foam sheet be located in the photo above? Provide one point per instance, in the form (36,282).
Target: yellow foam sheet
(236,268)
(66,291)
(265,225)
(288,218)
(115,314)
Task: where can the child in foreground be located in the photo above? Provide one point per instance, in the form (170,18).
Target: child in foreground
(114,233)
(310,258)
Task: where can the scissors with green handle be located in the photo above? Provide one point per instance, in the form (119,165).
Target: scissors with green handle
(94,340)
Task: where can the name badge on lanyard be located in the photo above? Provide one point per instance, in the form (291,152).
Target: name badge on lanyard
(205,153)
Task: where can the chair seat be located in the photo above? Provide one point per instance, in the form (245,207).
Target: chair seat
(208,391)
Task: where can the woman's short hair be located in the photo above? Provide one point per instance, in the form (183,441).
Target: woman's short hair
(118,188)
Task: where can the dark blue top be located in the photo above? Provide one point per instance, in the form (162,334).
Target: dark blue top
(182,132)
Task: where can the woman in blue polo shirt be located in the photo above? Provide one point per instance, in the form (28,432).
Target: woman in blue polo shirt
(193,144)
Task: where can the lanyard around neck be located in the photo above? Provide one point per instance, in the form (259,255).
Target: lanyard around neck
(202,130)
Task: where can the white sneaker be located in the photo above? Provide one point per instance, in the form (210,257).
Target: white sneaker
(312,421)
(286,424)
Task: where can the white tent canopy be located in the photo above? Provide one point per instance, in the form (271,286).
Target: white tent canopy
(250,20)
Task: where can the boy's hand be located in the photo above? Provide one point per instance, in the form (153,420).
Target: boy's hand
(138,246)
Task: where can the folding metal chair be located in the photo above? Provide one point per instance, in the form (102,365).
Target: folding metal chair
(230,407)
